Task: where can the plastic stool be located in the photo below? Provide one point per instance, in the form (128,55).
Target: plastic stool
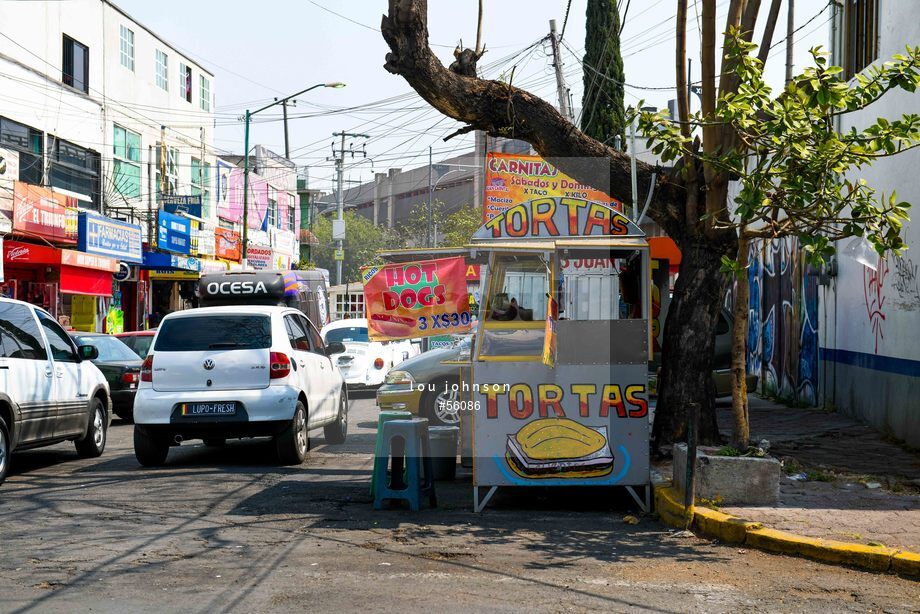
(405,440)
(383,417)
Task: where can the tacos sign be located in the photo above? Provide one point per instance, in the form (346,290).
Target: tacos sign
(416,299)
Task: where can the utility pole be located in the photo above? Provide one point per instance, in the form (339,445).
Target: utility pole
(790,27)
(428,239)
(561,89)
(339,157)
(287,149)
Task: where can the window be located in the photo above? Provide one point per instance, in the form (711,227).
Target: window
(28,142)
(172,170)
(62,349)
(204,92)
(127,48)
(515,311)
(860,35)
(205,188)
(110,349)
(162,64)
(200,333)
(292,218)
(75,65)
(271,214)
(315,338)
(299,338)
(347,334)
(126,168)
(19,336)
(196,177)
(74,168)
(185,82)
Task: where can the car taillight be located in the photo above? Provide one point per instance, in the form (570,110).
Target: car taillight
(378,364)
(147,369)
(130,377)
(279,365)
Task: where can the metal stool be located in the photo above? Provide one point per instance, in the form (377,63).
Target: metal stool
(383,417)
(405,441)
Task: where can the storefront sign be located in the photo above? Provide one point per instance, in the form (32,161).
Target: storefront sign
(227,244)
(512,179)
(174,203)
(206,241)
(154,260)
(259,257)
(572,425)
(108,237)
(16,253)
(1,259)
(416,299)
(173,275)
(174,233)
(213,266)
(283,241)
(70,257)
(38,211)
(123,273)
(558,217)
(473,272)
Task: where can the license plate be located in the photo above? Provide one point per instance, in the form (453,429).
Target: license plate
(224,408)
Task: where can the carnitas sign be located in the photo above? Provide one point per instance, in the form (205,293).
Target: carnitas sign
(39,212)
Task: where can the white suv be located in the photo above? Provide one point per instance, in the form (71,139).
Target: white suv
(244,371)
(49,390)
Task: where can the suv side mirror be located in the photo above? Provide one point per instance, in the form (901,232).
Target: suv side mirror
(88,352)
(334,347)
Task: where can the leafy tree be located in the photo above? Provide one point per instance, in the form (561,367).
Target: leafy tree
(459,226)
(689,203)
(453,229)
(602,115)
(795,170)
(362,241)
(413,231)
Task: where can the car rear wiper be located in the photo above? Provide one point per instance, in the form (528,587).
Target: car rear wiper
(224,344)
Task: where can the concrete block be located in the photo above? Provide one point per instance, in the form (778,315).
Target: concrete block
(737,480)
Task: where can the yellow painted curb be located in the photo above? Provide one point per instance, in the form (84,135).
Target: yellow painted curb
(907,563)
(731,529)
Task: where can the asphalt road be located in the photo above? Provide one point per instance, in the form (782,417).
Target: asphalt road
(226,529)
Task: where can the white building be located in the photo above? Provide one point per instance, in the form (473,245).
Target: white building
(869,319)
(95,104)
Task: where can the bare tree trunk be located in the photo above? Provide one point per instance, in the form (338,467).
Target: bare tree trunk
(741,429)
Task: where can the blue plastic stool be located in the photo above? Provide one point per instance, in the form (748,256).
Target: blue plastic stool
(405,441)
(383,417)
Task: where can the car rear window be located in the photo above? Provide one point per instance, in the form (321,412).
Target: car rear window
(214,332)
(346,334)
(110,349)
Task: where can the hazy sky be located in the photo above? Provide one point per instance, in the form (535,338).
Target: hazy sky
(275,48)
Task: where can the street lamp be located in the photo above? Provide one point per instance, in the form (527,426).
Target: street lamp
(249,114)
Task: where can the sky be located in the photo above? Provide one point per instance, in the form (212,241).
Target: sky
(274,48)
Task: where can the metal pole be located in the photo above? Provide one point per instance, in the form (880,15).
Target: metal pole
(340,201)
(287,149)
(246,189)
(693,417)
(560,80)
(428,237)
(632,169)
(790,26)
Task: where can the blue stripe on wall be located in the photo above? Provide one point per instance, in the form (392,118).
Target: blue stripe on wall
(888,364)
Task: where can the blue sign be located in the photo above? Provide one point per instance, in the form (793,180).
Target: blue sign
(174,203)
(155,260)
(107,237)
(174,233)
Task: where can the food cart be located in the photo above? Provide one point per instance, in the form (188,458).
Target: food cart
(560,364)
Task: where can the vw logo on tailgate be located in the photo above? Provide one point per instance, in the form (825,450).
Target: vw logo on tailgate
(208,364)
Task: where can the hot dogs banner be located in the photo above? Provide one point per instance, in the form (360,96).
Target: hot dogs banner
(512,179)
(416,299)
(572,425)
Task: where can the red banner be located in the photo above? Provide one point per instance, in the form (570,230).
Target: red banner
(416,299)
(227,244)
(40,212)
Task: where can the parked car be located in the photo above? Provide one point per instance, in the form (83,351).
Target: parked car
(422,384)
(49,390)
(121,367)
(139,341)
(364,363)
(722,360)
(238,371)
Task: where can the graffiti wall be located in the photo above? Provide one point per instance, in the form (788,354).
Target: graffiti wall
(782,321)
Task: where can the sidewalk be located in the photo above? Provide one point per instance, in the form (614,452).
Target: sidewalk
(839,458)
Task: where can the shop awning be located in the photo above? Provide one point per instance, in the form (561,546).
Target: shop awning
(91,282)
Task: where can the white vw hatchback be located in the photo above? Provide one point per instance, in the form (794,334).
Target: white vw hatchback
(216,373)
(365,363)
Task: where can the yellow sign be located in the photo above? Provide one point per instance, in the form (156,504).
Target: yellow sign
(171,275)
(340,254)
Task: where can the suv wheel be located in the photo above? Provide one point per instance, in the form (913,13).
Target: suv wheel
(335,432)
(293,442)
(438,402)
(5,447)
(149,451)
(92,444)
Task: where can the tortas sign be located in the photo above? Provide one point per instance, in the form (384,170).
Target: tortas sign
(556,217)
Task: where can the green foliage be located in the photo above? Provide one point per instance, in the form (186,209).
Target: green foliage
(362,241)
(460,225)
(602,103)
(454,229)
(794,168)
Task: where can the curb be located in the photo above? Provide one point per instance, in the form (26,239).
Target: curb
(734,530)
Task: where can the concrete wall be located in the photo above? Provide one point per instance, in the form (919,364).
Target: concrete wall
(870,318)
